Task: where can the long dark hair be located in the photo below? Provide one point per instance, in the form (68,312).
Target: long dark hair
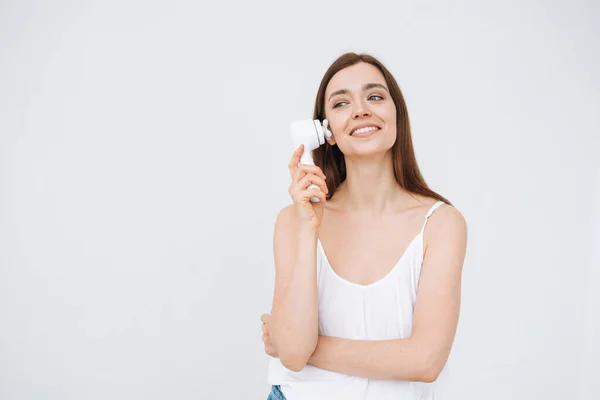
(330,158)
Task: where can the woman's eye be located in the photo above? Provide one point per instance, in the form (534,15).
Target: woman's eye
(370,97)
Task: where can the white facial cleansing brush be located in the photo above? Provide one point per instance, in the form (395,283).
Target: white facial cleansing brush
(312,135)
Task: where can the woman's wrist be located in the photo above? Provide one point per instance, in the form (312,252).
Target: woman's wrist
(307,232)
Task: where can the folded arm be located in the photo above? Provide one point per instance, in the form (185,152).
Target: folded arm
(422,356)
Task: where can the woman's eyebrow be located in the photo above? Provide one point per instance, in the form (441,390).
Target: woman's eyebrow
(366,86)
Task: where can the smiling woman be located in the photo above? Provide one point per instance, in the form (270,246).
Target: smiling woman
(368,281)
(382,99)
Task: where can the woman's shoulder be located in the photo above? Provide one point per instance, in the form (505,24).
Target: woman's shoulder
(444,220)
(426,204)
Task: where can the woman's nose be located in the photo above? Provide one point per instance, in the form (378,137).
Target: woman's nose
(361,110)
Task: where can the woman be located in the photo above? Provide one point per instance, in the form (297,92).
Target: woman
(368,280)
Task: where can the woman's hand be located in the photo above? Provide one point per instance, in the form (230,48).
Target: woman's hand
(303,175)
(266,336)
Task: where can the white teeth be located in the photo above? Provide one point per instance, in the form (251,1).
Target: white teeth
(362,130)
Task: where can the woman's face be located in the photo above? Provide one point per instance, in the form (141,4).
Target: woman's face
(358,96)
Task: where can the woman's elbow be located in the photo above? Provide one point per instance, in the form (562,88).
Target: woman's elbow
(294,361)
(429,375)
(294,352)
(431,369)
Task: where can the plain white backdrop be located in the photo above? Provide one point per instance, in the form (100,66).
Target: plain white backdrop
(144,149)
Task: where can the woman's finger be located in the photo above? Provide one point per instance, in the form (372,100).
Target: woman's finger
(311,178)
(293,165)
(308,168)
(313,192)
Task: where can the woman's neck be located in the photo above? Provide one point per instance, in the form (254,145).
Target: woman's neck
(370,187)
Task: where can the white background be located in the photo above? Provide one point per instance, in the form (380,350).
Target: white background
(144,150)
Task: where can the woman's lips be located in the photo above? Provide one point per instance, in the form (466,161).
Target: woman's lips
(365,134)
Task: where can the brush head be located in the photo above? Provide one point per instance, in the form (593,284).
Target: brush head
(326,132)
(307,133)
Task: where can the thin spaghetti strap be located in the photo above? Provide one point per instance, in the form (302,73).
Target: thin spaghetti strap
(431,210)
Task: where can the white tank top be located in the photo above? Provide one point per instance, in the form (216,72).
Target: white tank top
(380,311)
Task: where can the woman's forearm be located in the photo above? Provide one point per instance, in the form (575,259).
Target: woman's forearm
(395,359)
(295,321)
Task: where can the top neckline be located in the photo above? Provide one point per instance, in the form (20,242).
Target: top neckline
(379,281)
(395,267)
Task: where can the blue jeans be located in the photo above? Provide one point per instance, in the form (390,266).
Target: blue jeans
(276,393)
